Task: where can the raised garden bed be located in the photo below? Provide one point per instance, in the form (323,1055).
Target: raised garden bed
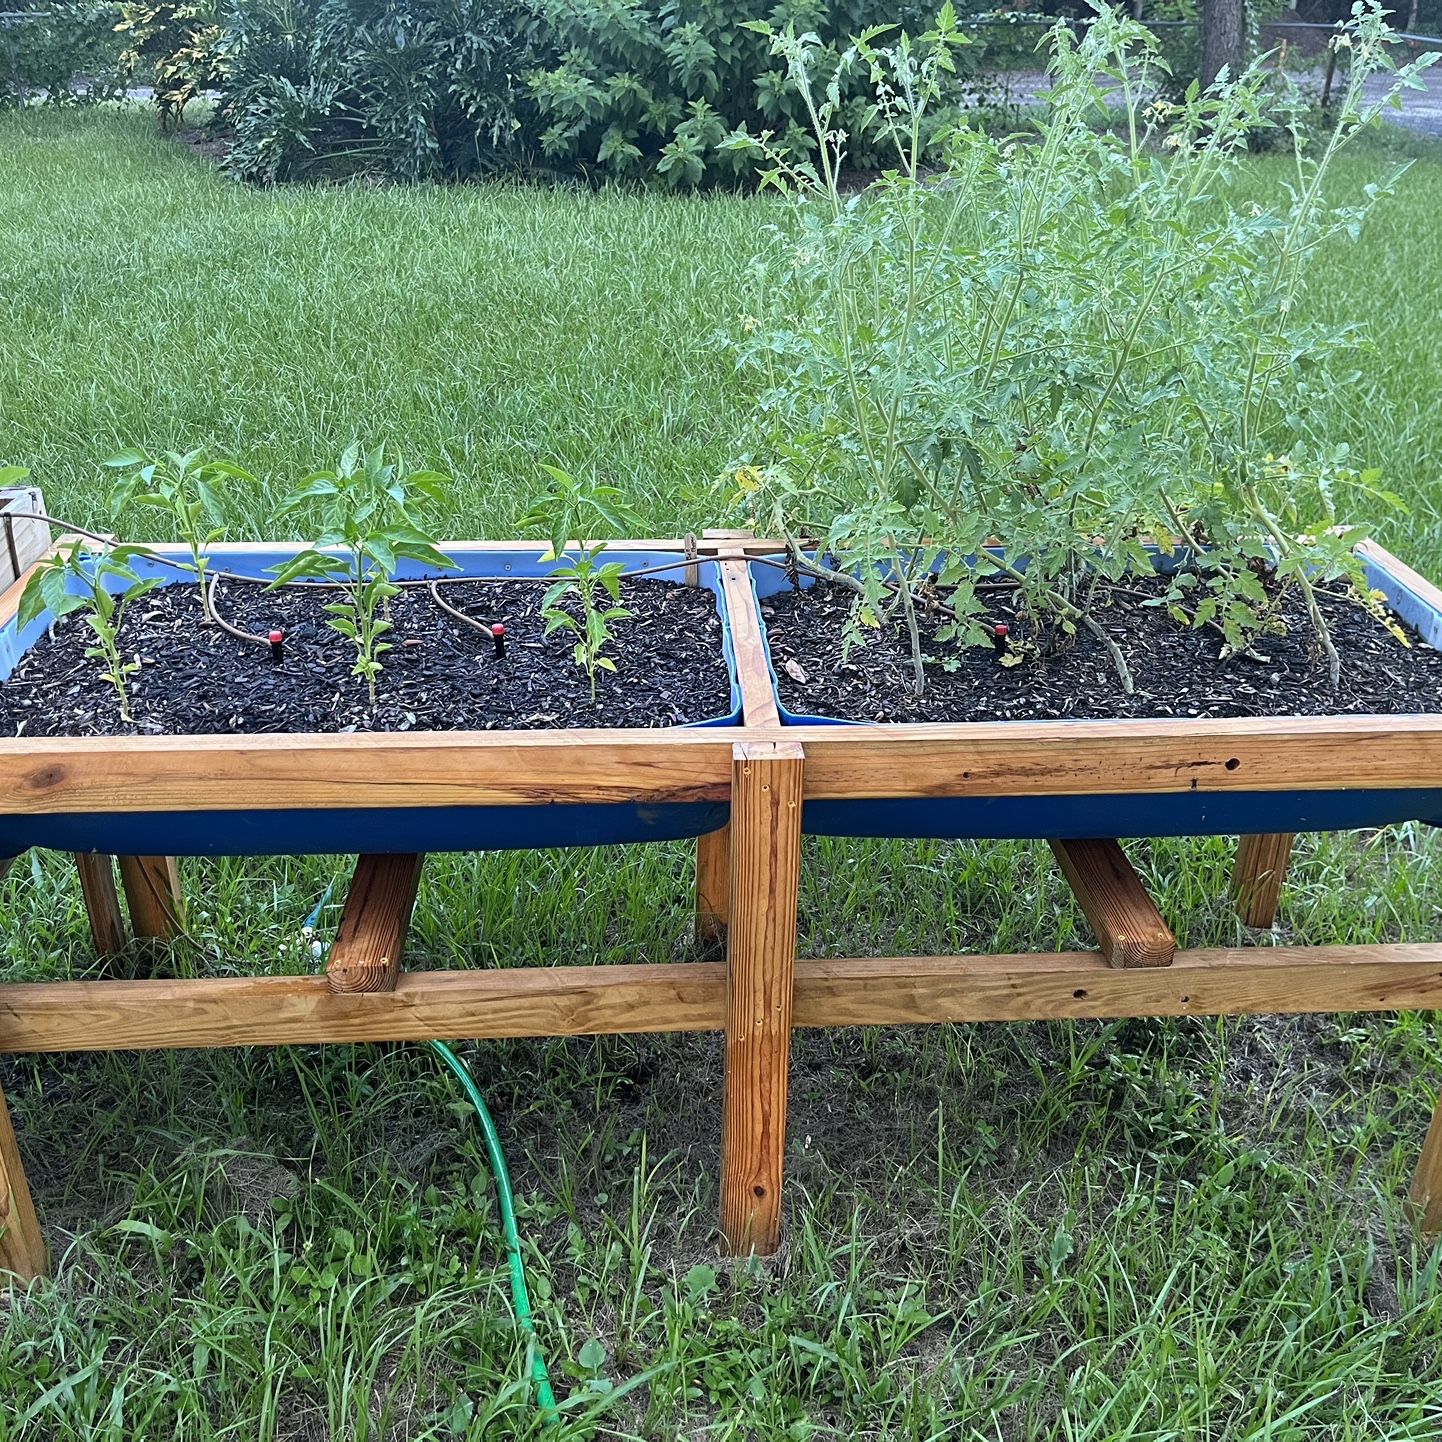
(393,795)
(1183,691)
(203,691)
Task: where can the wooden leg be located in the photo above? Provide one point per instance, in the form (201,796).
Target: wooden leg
(22,1248)
(1426,1193)
(713,885)
(760,967)
(1129,928)
(102,902)
(1258,874)
(152,894)
(366,953)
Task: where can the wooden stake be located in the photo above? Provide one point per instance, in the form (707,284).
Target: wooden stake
(102,902)
(366,953)
(1128,927)
(152,894)
(22,1248)
(1426,1194)
(713,885)
(1258,874)
(760,967)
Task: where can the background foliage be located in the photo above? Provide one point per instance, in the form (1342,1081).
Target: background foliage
(405,89)
(64,54)
(174,41)
(426,89)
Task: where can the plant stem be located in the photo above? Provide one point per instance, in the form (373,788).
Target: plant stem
(1073,613)
(1309,593)
(918,670)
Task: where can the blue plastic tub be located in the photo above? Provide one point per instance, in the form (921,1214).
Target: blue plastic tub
(1126,814)
(400,829)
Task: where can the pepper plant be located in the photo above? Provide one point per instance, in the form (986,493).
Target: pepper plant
(367,528)
(101,585)
(1073,339)
(188,487)
(562,514)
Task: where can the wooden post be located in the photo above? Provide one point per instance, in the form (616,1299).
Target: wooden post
(102,903)
(1128,927)
(366,953)
(1258,874)
(22,1248)
(152,894)
(760,968)
(713,885)
(1426,1194)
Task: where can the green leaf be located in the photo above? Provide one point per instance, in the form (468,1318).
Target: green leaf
(210,500)
(378,547)
(306,565)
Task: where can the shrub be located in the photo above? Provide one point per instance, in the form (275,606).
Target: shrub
(175,43)
(406,89)
(428,89)
(1073,340)
(65,53)
(659,85)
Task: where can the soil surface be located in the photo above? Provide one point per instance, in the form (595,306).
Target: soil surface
(442,675)
(1177,671)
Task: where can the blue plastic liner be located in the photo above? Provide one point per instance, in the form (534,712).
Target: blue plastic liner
(315,831)
(1125,814)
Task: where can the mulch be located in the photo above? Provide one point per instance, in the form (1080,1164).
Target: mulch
(442,675)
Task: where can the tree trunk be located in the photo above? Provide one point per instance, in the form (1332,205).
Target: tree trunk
(1412,18)
(1224,38)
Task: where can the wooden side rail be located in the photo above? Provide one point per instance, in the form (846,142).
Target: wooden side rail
(1257,876)
(1128,927)
(366,953)
(52,1016)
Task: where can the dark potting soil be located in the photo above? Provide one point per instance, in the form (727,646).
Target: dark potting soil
(1177,671)
(442,675)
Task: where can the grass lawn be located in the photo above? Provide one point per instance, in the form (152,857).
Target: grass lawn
(1140,1230)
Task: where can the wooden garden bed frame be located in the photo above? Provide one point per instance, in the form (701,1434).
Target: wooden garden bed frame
(747,876)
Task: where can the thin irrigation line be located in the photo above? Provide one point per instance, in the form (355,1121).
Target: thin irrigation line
(790,566)
(225,625)
(154,556)
(450,610)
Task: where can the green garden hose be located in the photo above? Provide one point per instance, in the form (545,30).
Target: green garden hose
(520,1296)
(501,1173)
